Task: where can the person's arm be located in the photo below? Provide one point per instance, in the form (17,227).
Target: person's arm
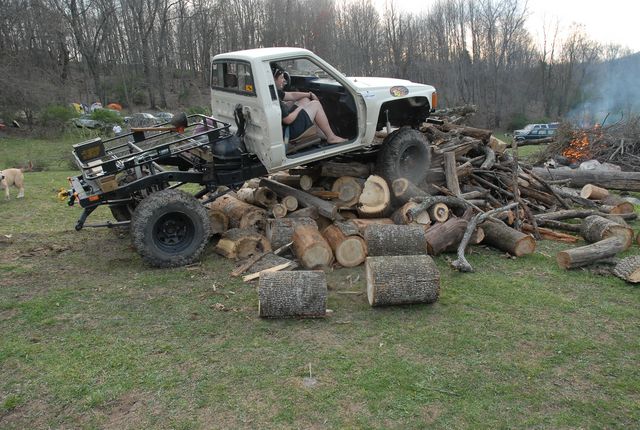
(297,95)
(292,116)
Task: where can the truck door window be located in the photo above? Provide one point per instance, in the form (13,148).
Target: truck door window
(232,76)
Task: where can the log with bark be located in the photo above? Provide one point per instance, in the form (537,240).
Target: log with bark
(594,228)
(280,231)
(290,180)
(385,239)
(324,207)
(450,173)
(311,248)
(261,196)
(348,247)
(445,236)
(616,205)
(399,280)
(241,214)
(292,294)
(589,254)
(375,197)
(309,212)
(501,236)
(218,220)
(332,169)
(400,216)
(363,223)
(628,269)
(239,243)
(593,192)
(629,181)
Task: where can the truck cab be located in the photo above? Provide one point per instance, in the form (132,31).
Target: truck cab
(356,107)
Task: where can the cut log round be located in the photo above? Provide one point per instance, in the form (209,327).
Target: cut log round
(399,280)
(219,221)
(290,202)
(445,236)
(279,210)
(241,214)
(439,212)
(405,190)
(375,198)
(400,216)
(239,243)
(628,269)
(292,294)
(594,228)
(306,182)
(616,205)
(593,192)
(348,189)
(385,239)
(311,248)
(589,254)
(349,250)
(501,236)
(279,231)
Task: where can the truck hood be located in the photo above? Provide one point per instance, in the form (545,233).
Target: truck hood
(373,84)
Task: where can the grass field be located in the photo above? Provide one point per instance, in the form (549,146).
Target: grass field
(94,338)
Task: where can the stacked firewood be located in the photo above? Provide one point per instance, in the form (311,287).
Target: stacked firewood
(343,213)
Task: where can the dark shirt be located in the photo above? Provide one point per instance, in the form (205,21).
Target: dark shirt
(300,124)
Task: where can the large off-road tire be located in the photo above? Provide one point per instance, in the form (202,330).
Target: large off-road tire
(405,153)
(170,228)
(121,212)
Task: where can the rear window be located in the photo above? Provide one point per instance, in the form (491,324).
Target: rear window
(232,76)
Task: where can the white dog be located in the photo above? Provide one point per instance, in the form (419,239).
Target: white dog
(9,177)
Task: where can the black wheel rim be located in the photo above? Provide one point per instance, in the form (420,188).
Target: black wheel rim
(410,160)
(173,232)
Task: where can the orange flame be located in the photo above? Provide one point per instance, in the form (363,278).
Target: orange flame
(578,149)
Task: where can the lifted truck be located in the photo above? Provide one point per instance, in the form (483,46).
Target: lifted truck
(137,174)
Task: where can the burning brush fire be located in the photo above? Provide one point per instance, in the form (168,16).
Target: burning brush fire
(578,149)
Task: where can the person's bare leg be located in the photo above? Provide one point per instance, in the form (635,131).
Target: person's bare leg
(316,113)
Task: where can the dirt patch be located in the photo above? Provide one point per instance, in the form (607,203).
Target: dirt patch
(130,411)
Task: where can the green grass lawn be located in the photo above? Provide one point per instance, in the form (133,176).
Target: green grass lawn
(94,338)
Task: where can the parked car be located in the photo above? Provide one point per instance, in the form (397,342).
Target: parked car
(531,127)
(85,121)
(142,119)
(164,116)
(535,133)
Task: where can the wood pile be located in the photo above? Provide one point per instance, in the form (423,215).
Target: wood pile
(341,213)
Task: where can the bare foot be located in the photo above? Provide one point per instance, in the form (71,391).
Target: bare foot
(336,139)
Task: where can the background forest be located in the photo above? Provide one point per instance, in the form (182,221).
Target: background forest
(154,54)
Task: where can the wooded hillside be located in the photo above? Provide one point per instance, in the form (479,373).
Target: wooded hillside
(155,53)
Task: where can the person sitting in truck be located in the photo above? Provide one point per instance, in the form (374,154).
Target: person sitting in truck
(305,110)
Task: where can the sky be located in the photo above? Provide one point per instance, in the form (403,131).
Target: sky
(609,21)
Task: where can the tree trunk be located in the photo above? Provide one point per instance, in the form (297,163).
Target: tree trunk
(594,228)
(279,231)
(628,269)
(588,254)
(501,236)
(292,294)
(311,248)
(239,243)
(383,239)
(399,280)
(350,250)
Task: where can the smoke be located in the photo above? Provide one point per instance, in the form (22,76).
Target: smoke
(612,95)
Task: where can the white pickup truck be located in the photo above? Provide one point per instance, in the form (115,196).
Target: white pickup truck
(136,174)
